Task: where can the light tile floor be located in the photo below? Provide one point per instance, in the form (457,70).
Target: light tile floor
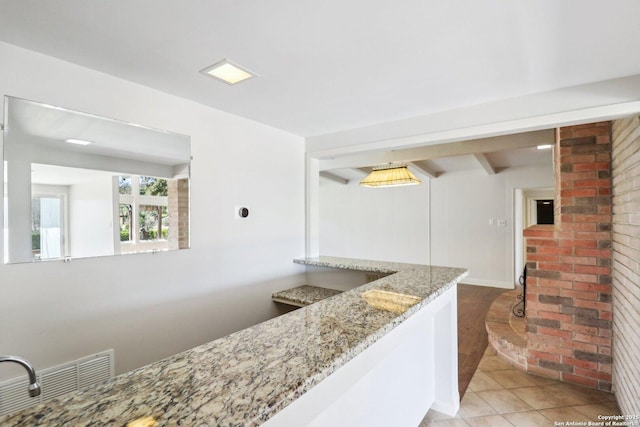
(500,395)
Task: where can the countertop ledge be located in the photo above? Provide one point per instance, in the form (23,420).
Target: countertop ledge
(304,295)
(245,378)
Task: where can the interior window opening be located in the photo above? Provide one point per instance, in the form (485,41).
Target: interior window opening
(144,214)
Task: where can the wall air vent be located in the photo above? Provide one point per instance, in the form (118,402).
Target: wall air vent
(57,381)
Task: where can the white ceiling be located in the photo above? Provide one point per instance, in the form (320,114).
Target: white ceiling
(33,127)
(333,65)
(51,126)
(58,175)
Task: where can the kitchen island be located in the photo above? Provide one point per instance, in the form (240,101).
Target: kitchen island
(374,347)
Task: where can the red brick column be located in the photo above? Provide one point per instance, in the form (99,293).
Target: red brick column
(569,265)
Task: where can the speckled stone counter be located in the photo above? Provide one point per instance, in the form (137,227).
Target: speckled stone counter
(303,295)
(245,378)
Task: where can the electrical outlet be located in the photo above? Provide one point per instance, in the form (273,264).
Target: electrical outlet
(502,223)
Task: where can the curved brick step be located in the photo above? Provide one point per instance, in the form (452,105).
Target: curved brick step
(507,333)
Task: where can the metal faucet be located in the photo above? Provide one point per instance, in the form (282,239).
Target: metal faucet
(34,387)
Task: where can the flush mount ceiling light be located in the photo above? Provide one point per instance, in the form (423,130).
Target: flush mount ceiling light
(390,176)
(544,147)
(78,141)
(228,72)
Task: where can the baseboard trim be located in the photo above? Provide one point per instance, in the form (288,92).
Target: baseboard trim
(447,408)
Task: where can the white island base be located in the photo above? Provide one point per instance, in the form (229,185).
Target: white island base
(394,382)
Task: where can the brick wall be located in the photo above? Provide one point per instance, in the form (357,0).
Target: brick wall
(569,310)
(626,263)
(178,213)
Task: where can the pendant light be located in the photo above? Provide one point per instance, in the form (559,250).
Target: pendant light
(390,176)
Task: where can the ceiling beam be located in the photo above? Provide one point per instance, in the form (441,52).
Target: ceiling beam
(423,169)
(484,145)
(362,171)
(334,177)
(485,163)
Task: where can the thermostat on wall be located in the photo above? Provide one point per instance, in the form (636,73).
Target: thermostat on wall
(242,212)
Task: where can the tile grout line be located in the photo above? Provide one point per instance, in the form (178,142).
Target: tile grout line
(578,407)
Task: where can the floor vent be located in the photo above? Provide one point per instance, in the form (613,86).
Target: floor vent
(56,381)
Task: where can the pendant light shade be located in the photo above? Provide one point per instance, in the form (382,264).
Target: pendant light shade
(390,176)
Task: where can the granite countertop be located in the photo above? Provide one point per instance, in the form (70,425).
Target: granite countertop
(303,295)
(245,378)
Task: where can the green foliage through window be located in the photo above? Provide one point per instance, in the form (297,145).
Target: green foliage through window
(153,222)
(124,184)
(125,222)
(152,186)
(151,219)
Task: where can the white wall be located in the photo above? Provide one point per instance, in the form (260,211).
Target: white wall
(394,223)
(18,197)
(387,224)
(147,306)
(91,218)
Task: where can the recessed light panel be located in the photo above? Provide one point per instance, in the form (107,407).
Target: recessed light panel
(78,141)
(228,72)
